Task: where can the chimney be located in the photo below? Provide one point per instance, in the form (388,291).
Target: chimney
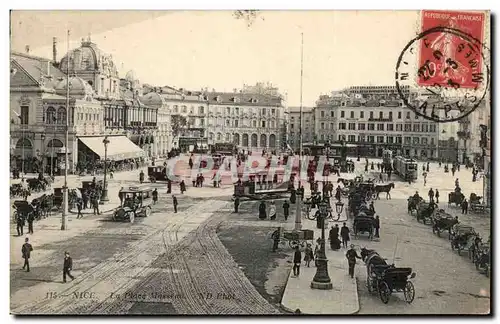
(27,49)
(54,49)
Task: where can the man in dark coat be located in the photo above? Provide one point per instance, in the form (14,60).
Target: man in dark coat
(155,196)
(95,204)
(297,259)
(293,196)
(431,195)
(169,186)
(286,209)
(236,204)
(262,210)
(174,201)
(334,237)
(26,253)
(79,206)
(276,239)
(338,193)
(190,163)
(20,224)
(344,234)
(465,206)
(67,267)
(351,259)
(376,225)
(437,196)
(182,186)
(31,219)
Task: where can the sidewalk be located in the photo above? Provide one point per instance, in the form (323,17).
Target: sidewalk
(106,208)
(341,300)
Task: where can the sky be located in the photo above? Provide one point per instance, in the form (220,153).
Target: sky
(197,49)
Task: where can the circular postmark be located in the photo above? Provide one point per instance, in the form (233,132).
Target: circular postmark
(451,74)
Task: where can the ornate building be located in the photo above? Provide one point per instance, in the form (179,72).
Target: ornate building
(249,120)
(162,135)
(308,126)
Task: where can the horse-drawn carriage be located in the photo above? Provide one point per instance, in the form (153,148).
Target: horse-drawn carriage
(22,208)
(413,202)
(38,185)
(17,190)
(136,202)
(384,279)
(481,258)
(460,235)
(383,188)
(455,197)
(157,173)
(425,211)
(442,221)
(475,204)
(363,224)
(368,188)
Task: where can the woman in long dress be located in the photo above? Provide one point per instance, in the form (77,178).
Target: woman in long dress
(262,210)
(272,211)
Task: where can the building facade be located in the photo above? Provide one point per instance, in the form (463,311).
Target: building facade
(308,126)
(249,120)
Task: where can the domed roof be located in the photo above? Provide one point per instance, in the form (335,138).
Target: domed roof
(88,57)
(153,99)
(131,76)
(77,87)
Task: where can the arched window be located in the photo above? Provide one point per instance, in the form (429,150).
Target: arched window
(219,136)
(61,115)
(50,115)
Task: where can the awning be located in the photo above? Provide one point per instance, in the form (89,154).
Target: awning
(119,147)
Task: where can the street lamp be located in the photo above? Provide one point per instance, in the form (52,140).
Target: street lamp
(321,279)
(42,137)
(339,207)
(104,195)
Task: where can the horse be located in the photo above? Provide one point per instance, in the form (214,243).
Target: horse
(384,188)
(345,182)
(372,259)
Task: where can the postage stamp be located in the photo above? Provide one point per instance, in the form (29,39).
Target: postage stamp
(449,63)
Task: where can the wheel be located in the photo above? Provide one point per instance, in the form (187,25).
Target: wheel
(409,292)
(310,215)
(370,284)
(114,217)
(384,292)
(438,232)
(374,195)
(147,212)
(293,243)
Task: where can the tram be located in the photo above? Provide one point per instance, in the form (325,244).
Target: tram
(407,169)
(387,159)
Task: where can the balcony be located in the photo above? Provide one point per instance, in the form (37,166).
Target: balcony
(380,119)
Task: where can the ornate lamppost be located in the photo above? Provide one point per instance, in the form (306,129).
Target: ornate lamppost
(104,195)
(42,138)
(321,279)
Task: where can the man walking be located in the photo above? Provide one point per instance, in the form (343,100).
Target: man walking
(26,252)
(31,219)
(351,259)
(174,200)
(236,204)
(276,239)
(437,196)
(286,209)
(155,196)
(465,206)
(67,267)
(297,259)
(344,234)
(20,224)
(95,204)
(79,205)
(431,195)
(377,226)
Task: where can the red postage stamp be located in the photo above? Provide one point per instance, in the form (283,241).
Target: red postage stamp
(446,59)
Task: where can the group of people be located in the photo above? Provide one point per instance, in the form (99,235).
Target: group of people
(264,213)
(89,199)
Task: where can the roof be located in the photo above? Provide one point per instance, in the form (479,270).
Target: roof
(243,99)
(88,57)
(36,67)
(297,109)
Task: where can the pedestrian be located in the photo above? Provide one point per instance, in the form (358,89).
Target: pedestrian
(437,196)
(20,224)
(308,255)
(26,253)
(85,198)
(425,177)
(465,206)
(344,234)
(169,186)
(190,163)
(155,196)
(262,210)
(31,219)
(377,226)
(67,267)
(79,206)
(141,176)
(431,195)
(174,202)
(276,239)
(286,209)
(182,186)
(95,204)
(351,256)
(236,204)
(120,196)
(293,194)
(297,259)
(272,211)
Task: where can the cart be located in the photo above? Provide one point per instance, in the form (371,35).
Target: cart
(297,238)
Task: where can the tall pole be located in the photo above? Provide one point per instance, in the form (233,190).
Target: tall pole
(104,194)
(66,145)
(22,149)
(298,211)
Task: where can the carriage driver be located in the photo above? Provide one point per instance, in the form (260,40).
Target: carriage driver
(416,196)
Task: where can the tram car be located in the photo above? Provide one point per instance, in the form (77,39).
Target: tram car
(407,169)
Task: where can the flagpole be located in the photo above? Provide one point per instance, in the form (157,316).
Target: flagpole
(66,144)
(298,211)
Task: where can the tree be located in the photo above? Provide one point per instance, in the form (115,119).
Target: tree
(178,122)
